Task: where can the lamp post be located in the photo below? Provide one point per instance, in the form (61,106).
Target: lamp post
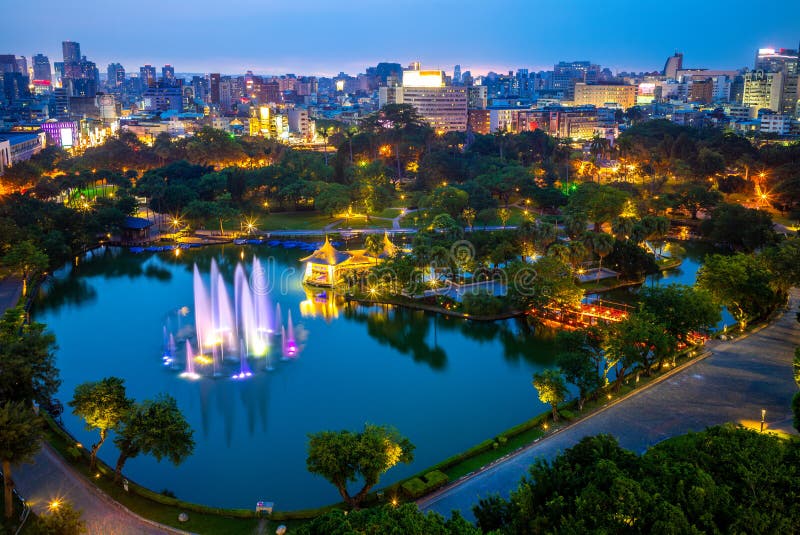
(763,417)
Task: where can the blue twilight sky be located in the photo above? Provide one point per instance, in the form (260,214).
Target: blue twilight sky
(328,36)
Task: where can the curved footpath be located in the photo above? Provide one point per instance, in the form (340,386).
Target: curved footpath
(732,384)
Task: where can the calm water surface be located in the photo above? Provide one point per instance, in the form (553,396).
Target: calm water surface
(446,384)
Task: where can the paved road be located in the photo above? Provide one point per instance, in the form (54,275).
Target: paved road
(733,384)
(49,478)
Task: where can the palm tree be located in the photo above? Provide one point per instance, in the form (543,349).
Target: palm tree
(349,133)
(622,227)
(544,235)
(20,441)
(560,251)
(325,133)
(577,253)
(602,244)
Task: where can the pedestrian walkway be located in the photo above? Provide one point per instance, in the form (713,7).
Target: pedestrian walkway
(733,384)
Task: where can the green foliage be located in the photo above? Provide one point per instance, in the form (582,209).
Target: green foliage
(599,203)
(739,228)
(28,371)
(550,388)
(581,370)
(342,457)
(154,427)
(639,341)
(548,280)
(682,309)
(631,260)
(406,519)
(61,520)
(27,260)
(102,405)
(447,199)
(420,486)
(20,440)
(722,480)
(796,411)
(482,304)
(741,282)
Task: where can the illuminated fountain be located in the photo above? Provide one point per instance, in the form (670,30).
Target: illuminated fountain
(231,331)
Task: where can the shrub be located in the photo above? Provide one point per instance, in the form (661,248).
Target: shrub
(566,414)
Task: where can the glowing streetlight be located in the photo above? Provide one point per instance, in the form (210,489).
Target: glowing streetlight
(54,505)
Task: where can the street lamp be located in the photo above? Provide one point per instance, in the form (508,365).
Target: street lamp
(763,418)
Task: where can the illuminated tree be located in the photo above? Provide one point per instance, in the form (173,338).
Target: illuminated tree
(61,519)
(468,216)
(504,214)
(343,457)
(551,389)
(103,405)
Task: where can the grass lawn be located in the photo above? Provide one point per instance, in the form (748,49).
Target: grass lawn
(280,221)
(389,213)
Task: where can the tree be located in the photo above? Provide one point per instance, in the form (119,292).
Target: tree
(343,457)
(154,427)
(20,440)
(447,199)
(741,282)
(504,214)
(796,410)
(599,203)
(28,371)
(27,260)
(738,227)
(551,389)
(682,309)
(332,198)
(601,244)
(468,216)
(696,198)
(61,519)
(406,519)
(579,370)
(103,405)
(639,340)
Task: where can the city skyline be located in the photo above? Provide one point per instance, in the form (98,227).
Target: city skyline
(285,39)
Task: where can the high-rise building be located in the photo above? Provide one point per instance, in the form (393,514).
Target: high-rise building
(567,73)
(8,63)
(600,95)
(168,74)
(116,75)
(41,68)
(72,59)
(457,74)
(763,90)
(147,76)
(22,65)
(673,65)
(213,87)
(443,107)
(780,60)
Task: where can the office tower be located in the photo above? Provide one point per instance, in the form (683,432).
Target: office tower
(780,60)
(147,76)
(443,107)
(41,68)
(567,73)
(457,74)
(673,65)
(763,90)
(72,59)
(8,63)
(58,73)
(168,74)
(116,75)
(213,87)
(22,65)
